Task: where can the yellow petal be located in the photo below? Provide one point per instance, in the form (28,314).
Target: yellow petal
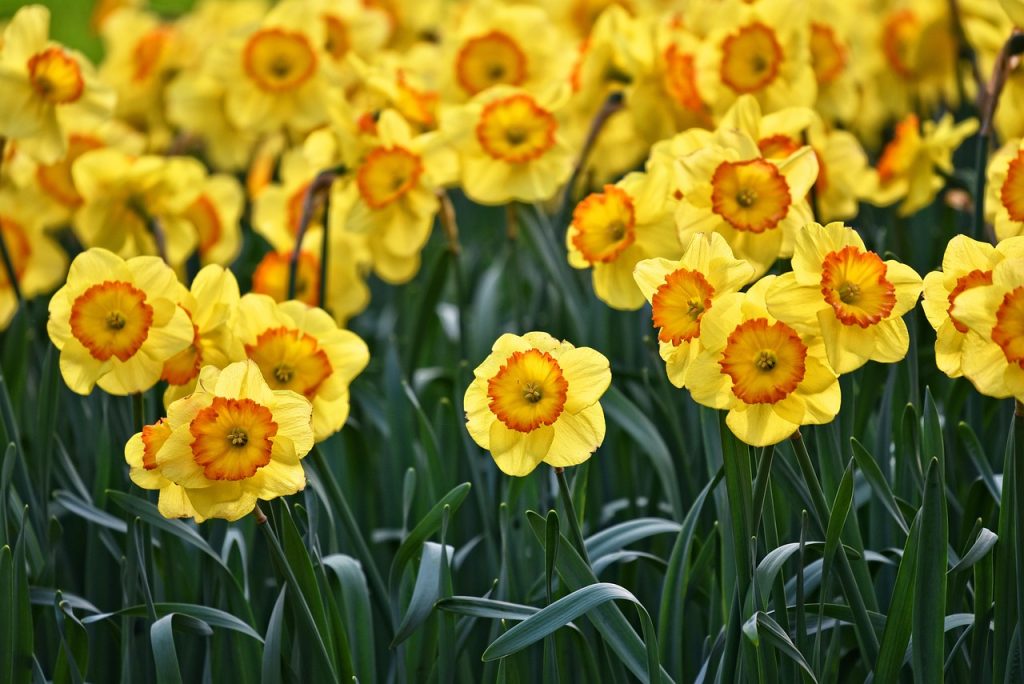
(795,304)
(588,375)
(518,453)
(759,425)
(576,437)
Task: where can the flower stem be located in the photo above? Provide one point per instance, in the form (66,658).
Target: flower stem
(574,522)
(320,186)
(615,101)
(12,276)
(139,410)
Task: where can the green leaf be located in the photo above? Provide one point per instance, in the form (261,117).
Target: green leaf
(474,606)
(568,608)
(867,465)
(619,536)
(901,608)
(165,655)
(927,629)
(426,592)
(272,661)
(984,543)
(213,617)
(626,415)
(355,594)
(931,434)
(837,519)
(976,453)
(551,535)
(149,513)
(761,625)
(87,511)
(429,524)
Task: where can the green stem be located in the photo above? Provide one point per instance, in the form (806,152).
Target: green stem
(570,509)
(320,185)
(866,636)
(139,410)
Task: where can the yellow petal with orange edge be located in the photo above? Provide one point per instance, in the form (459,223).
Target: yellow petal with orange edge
(588,375)
(518,453)
(759,425)
(177,463)
(577,437)
(815,242)
(650,274)
(976,308)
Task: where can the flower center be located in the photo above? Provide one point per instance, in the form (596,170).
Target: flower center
(489,60)
(681,79)
(153,438)
(111,319)
(750,195)
(149,52)
(751,58)
(765,361)
(899,154)
(337,42)
(516,129)
(387,174)
(899,33)
(290,359)
(1008,331)
(232,438)
(1012,192)
(853,282)
(18,248)
(604,225)
(528,391)
(828,55)
(278,60)
(975,278)
(55,76)
(271,277)
(679,303)
(181,368)
(55,179)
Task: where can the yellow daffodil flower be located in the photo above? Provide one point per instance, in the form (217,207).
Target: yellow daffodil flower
(613,230)
(40,79)
(909,167)
(215,216)
(39,262)
(231,442)
(510,146)
(123,196)
(117,322)
(768,377)
(757,204)
(1004,196)
(682,292)
(535,399)
(993,358)
(301,348)
(211,304)
(846,295)
(966,264)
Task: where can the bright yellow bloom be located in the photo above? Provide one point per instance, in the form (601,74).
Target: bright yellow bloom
(763,50)
(966,264)
(1014,10)
(846,295)
(835,43)
(682,292)
(535,399)
(215,216)
(392,200)
(117,322)
(41,79)
(757,204)
(277,211)
(496,44)
(123,196)
(273,271)
(510,146)
(909,167)
(39,263)
(211,304)
(301,348)
(993,357)
(768,377)
(842,172)
(1004,191)
(613,230)
(232,441)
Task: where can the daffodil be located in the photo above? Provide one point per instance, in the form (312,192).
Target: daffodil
(769,377)
(211,304)
(909,168)
(1004,197)
(993,357)
(301,348)
(613,230)
(966,264)
(393,199)
(39,263)
(127,201)
(681,292)
(510,146)
(836,39)
(277,211)
(117,322)
(757,204)
(40,79)
(215,216)
(760,49)
(140,454)
(232,442)
(846,295)
(842,171)
(535,399)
